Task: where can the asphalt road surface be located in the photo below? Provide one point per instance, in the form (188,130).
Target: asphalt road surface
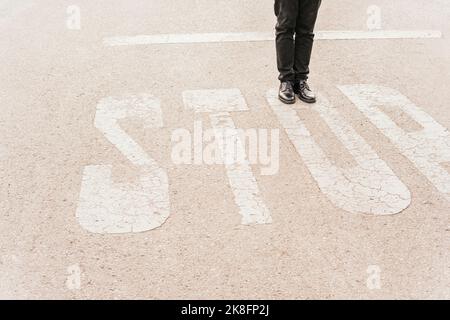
(96,97)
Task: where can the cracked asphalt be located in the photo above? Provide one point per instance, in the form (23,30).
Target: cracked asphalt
(57,195)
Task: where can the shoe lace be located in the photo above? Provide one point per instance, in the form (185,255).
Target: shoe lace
(304,85)
(286,86)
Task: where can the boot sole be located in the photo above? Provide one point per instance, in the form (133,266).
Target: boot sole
(306,100)
(286,101)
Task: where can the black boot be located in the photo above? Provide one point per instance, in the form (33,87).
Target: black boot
(304,93)
(286,93)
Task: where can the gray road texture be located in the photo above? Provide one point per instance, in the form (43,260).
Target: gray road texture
(52,79)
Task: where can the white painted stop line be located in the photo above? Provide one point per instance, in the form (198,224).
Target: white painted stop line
(370,187)
(219,103)
(428,148)
(108,207)
(192,38)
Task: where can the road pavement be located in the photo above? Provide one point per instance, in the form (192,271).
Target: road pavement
(97,202)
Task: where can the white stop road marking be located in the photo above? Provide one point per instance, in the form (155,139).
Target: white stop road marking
(242,181)
(370,188)
(427,148)
(108,207)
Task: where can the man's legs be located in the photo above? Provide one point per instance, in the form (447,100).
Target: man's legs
(295,17)
(304,38)
(286,12)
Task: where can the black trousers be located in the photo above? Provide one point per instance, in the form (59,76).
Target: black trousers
(295,36)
